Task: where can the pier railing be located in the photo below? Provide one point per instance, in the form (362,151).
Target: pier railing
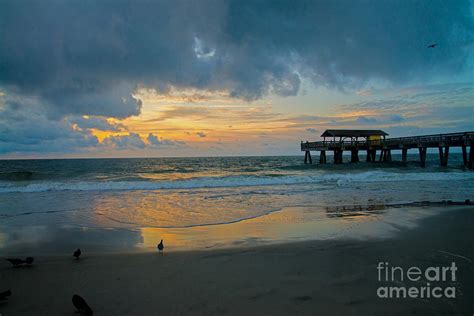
(432,139)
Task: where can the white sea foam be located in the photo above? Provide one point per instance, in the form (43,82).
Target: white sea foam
(382,176)
(235,181)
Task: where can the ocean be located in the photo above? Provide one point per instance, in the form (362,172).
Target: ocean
(127,204)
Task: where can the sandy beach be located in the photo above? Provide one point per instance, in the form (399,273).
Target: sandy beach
(337,277)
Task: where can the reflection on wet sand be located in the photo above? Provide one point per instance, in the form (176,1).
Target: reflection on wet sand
(292,224)
(174,209)
(354,210)
(50,240)
(366,211)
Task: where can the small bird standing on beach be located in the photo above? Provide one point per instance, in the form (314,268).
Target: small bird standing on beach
(160,246)
(81,305)
(4,295)
(29,260)
(17,262)
(77,253)
(432,45)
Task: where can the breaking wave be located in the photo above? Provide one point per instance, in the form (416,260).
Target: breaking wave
(339,179)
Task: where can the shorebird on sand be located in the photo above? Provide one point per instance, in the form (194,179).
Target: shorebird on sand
(4,295)
(81,305)
(17,262)
(160,246)
(77,253)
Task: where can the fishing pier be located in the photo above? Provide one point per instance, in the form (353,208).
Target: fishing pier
(373,141)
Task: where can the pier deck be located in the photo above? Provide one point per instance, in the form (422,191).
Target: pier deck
(441,141)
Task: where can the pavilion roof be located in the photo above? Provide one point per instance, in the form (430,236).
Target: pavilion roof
(353,133)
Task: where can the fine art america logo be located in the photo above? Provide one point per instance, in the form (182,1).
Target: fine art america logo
(415,282)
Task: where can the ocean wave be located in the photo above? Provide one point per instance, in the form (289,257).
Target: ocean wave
(16,175)
(384,176)
(204,224)
(236,181)
(193,183)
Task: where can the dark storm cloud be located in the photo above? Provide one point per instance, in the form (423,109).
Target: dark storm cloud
(23,130)
(133,141)
(86,57)
(122,142)
(25,127)
(155,141)
(99,123)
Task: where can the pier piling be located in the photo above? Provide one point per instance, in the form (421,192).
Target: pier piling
(354,155)
(338,156)
(464,155)
(371,153)
(388,155)
(422,151)
(443,155)
(322,157)
(471,157)
(404,154)
(307,157)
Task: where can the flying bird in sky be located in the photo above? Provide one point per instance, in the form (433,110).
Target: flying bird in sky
(81,305)
(432,45)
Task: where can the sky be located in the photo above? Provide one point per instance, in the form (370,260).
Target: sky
(213,78)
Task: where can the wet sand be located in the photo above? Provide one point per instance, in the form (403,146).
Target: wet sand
(337,277)
(288,224)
